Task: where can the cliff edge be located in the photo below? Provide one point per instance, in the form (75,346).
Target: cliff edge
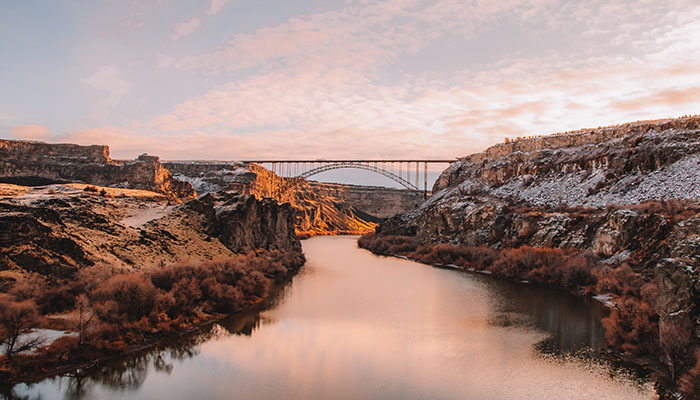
(37,163)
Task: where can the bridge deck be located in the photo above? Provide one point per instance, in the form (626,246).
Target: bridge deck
(349,161)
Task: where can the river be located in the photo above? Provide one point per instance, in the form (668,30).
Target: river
(353,325)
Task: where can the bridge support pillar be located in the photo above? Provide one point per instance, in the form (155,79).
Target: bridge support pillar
(425,181)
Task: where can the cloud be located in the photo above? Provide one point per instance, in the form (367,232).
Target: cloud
(29,132)
(665,97)
(185,29)
(338,83)
(215,6)
(108,79)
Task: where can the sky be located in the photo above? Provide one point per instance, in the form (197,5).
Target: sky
(237,79)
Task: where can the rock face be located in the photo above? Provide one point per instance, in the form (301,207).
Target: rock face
(243,223)
(626,193)
(582,189)
(55,231)
(626,164)
(22,161)
(321,207)
(379,202)
(316,213)
(211,176)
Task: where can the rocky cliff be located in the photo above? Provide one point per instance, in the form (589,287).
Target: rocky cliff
(322,208)
(627,194)
(592,189)
(57,230)
(25,162)
(379,202)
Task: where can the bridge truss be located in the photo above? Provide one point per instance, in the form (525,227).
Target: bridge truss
(402,176)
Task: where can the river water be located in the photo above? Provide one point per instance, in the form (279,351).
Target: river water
(353,325)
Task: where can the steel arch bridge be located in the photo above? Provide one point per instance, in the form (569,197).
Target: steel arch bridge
(355,165)
(302,169)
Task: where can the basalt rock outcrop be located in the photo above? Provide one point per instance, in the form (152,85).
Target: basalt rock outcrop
(29,163)
(55,231)
(243,223)
(316,213)
(321,208)
(626,193)
(590,189)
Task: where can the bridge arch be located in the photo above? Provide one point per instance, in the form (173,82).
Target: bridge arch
(357,165)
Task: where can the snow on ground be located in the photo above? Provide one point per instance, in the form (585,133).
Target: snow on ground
(47,336)
(571,188)
(29,194)
(143,216)
(618,258)
(200,185)
(605,299)
(678,180)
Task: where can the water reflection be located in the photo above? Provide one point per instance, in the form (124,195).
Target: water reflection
(353,325)
(573,323)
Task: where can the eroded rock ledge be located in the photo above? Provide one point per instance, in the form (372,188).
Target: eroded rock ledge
(24,161)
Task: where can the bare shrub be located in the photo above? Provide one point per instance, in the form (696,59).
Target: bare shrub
(124,298)
(17,319)
(675,339)
(633,326)
(254,283)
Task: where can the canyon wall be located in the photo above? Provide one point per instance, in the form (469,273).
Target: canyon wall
(627,194)
(25,162)
(380,202)
(56,231)
(322,207)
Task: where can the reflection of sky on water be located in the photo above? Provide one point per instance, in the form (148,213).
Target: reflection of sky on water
(354,325)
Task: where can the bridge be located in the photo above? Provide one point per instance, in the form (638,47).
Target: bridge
(392,169)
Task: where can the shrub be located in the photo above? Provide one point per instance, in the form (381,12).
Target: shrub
(56,299)
(254,283)
(222,298)
(578,272)
(633,327)
(16,320)
(125,298)
(621,281)
(675,339)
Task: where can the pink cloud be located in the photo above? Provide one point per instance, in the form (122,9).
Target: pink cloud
(216,6)
(316,89)
(667,97)
(185,29)
(29,132)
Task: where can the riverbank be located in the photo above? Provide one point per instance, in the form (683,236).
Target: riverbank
(120,313)
(353,325)
(632,332)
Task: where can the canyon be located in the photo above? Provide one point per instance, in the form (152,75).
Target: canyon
(321,208)
(622,198)
(64,207)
